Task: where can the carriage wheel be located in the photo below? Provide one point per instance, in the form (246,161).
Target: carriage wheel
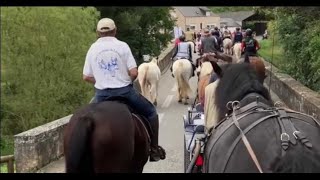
(186,156)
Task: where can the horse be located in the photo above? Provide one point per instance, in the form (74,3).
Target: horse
(106,137)
(149,76)
(273,139)
(227,46)
(182,70)
(237,51)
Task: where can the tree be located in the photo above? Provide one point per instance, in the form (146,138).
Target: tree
(145,29)
(298,30)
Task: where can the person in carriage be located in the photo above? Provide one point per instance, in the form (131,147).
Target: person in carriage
(183,51)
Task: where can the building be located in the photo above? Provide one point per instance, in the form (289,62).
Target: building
(230,23)
(195,18)
(246,19)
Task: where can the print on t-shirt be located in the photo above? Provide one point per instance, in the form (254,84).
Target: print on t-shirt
(108,62)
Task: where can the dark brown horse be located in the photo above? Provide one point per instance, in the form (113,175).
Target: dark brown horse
(253,136)
(105,138)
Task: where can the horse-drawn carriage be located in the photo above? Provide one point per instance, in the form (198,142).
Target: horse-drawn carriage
(193,139)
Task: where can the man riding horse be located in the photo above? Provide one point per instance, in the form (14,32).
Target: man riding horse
(216,34)
(249,46)
(111,67)
(226,33)
(237,36)
(183,51)
(209,44)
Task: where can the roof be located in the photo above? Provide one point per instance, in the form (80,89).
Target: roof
(237,16)
(194,11)
(229,22)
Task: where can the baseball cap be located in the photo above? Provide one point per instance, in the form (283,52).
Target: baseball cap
(105,25)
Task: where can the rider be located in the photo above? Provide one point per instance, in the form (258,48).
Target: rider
(183,51)
(189,35)
(111,67)
(209,44)
(216,34)
(250,46)
(227,33)
(237,36)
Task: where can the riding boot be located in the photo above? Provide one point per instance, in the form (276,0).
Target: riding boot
(156,151)
(193,69)
(171,71)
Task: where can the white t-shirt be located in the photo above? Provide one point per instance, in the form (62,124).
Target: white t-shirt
(109,60)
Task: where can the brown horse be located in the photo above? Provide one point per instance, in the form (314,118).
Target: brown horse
(106,137)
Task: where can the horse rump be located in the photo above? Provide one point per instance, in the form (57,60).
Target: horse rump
(78,150)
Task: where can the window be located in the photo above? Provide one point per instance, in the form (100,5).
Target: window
(211,26)
(192,27)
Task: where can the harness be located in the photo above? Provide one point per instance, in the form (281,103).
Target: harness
(289,133)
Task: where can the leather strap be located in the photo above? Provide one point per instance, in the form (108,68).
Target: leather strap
(246,143)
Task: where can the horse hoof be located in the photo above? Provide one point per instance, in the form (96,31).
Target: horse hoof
(179,101)
(155,103)
(188,98)
(185,103)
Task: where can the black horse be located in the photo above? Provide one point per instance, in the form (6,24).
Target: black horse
(254,136)
(106,137)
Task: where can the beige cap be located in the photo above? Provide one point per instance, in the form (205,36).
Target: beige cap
(105,25)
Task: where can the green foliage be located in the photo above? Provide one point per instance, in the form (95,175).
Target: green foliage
(221,9)
(272,53)
(6,145)
(43,51)
(297,30)
(145,29)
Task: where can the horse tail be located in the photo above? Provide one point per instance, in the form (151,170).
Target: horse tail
(182,81)
(144,81)
(79,157)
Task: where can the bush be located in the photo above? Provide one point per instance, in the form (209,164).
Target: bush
(298,34)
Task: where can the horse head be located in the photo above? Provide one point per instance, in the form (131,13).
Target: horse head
(236,81)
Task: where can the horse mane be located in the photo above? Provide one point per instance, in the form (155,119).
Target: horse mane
(307,161)
(237,81)
(154,60)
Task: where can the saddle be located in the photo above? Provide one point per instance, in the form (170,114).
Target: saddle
(141,119)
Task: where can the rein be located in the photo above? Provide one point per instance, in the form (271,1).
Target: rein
(236,105)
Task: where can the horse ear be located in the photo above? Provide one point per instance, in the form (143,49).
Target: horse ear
(216,68)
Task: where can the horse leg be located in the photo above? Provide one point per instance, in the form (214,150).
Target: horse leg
(179,95)
(186,100)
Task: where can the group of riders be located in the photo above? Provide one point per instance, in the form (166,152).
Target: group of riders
(111,68)
(211,42)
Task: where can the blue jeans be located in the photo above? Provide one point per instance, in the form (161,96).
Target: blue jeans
(133,97)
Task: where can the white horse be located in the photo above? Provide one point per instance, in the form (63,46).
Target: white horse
(237,51)
(149,77)
(181,69)
(227,45)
